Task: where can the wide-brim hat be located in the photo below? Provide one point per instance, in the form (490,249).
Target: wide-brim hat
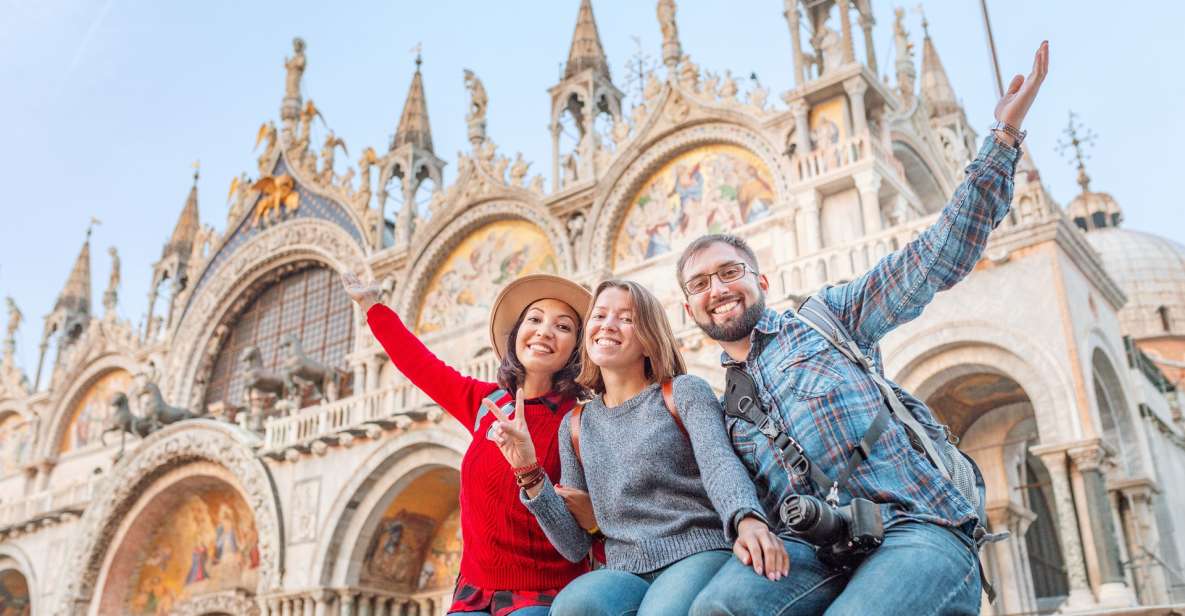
(518,295)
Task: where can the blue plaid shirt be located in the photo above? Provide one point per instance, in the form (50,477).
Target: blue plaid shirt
(826,402)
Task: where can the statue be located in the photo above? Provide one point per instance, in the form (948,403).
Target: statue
(368,160)
(575,227)
(255,377)
(728,92)
(518,171)
(157,410)
(671,50)
(906,73)
(277,191)
(111,295)
(124,420)
(831,46)
(295,66)
(477,108)
(332,142)
(14,317)
(267,131)
(297,366)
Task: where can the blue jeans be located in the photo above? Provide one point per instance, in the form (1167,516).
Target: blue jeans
(667,591)
(534,610)
(920,569)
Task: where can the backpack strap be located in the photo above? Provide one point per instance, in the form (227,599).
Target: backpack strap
(574,428)
(668,398)
(499,397)
(815,313)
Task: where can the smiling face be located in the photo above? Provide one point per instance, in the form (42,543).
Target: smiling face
(726,311)
(546,336)
(611,339)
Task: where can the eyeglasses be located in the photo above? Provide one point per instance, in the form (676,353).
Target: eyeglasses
(729,273)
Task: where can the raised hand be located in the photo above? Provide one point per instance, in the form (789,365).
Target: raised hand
(511,435)
(1021,92)
(365,294)
(759,548)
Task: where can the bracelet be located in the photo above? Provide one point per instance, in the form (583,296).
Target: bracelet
(528,482)
(594,530)
(523,470)
(1010,130)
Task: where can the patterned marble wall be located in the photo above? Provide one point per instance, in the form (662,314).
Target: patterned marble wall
(92,410)
(470,277)
(712,189)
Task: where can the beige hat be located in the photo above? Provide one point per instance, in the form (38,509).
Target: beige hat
(518,295)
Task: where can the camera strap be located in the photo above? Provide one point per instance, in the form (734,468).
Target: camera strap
(742,401)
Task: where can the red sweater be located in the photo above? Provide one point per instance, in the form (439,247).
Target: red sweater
(504,547)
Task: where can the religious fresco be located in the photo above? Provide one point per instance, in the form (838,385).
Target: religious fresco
(828,124)
(206,543)
(91,412)
(444,556)
(470,278)
(14,594)
(397,550)
(712,189)
(16,439)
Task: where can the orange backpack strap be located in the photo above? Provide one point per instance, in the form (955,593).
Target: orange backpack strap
(668,396)
(574,428)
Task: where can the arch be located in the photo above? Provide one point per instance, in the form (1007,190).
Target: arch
(438,248)
(640,161)
(921,172)
(980,346)
(59,418)
(305,239)
(13,558)
(338,556)
(1116,426)
(194,441)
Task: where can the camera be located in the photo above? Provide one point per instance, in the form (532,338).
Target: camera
(842,536)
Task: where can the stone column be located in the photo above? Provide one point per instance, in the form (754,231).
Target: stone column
(555,154)
(383,606)
(321,603)
(1054,458)
(802,127)
(285,607)
(310,606)
(274,607)
(792,19)
(1142,535)
(845,24)
(1112,587)
(347,599)
(365,605)
(1013,579)
(866,24)
(856,87)
(868,184)
(812,238)
(373,370)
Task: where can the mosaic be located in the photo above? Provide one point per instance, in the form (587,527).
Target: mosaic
(93,410)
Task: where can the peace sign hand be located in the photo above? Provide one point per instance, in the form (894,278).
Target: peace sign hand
(511,435)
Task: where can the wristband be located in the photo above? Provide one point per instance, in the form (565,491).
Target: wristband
(1017,134)
(523,470)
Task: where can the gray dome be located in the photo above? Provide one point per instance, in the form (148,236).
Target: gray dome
(1151,271)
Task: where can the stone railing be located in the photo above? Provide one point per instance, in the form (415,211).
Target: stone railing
(850,151)
(357,602)
(48,505)
(390,407)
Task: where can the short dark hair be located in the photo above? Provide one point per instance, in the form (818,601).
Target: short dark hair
(703,241)
(512,374)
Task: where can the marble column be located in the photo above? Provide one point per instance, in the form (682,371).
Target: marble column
(1112,587)
(285,607)
(365,603)
(845,25)
(1142,537)
(347,599)
(321,603)
(856,87)
(792,19)
(866,23)
(1054,458)
(868,184)
(1011,574)
(812,238)
(802,128)
(373,370)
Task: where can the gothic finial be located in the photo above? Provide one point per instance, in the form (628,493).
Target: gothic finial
(925,24)
(419,49)
(197,169)
(91,227)
(1076,139)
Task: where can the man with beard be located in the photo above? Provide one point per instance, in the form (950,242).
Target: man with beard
(813,394)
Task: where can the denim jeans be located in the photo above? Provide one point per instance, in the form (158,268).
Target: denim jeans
(920,569)
(665,592)
(534,610)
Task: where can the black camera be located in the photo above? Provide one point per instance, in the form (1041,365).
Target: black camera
(842,536)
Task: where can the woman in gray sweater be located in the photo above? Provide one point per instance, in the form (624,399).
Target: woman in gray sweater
(666,489)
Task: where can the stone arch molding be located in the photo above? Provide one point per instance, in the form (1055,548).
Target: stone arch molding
(459,228)
(285,243)
(635,167)
(916,362)
(12,557)
(173,447)
(59,418)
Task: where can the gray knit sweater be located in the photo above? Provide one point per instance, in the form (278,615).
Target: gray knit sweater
(658,497)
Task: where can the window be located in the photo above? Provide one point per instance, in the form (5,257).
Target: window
(309,303)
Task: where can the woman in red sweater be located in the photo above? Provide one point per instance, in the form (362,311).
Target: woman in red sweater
(508,566)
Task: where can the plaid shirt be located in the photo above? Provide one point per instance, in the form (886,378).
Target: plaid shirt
(826,402)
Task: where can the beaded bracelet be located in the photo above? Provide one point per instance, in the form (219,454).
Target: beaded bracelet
(523,470)
(527,482)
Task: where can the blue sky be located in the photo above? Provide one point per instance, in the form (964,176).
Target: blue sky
(107,103)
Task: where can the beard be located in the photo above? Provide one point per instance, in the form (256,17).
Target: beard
(737,328)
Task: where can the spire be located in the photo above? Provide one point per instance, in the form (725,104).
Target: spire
(586,49)
(187,224)
(76,295)
(1089,210)
(936,88)
(413,124)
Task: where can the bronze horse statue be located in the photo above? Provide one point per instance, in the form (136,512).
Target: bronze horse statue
(160,412)
(124,420)
(299,366)
(255,376)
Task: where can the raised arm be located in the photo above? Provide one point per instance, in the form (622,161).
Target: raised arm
(898,287)
(457,394)
(728,484)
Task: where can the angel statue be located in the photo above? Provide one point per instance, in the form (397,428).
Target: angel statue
(295,66)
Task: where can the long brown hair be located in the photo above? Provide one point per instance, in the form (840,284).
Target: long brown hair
(663,360)
(512,374)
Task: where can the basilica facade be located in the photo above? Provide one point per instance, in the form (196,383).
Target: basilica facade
(249,448)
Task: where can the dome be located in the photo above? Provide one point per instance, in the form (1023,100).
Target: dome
(1151,271)
(1094,210)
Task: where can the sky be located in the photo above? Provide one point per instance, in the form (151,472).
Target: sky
(107,103)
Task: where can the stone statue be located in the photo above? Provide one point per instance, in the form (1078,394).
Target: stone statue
(267,131)
(368,160)
(295,66)
(575,227)
(111,295)
(255,376)
(124,420)
(156,409)
(297,366)
(477,97)
(332,142)
(831,45)
(728,92)
(518,171)
(671,50)
(14,317)
(906,73)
